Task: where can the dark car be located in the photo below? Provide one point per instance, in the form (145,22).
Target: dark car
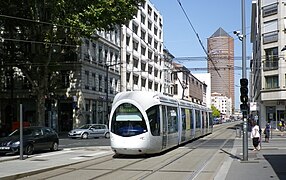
(34,138)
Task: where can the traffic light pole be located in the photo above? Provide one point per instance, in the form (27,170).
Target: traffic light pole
(244,112)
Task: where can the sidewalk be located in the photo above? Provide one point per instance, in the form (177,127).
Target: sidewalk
(11,167)
(268,163)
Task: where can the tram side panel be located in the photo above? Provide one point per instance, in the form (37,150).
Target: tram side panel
(198,123)
(170,123)
(187,132)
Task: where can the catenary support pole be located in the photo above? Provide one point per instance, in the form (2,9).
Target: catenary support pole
(245,133)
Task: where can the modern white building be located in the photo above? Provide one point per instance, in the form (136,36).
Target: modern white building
(268,67)
(143,65)
(223,104)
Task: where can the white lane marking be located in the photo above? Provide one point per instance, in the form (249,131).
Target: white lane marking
(54,153)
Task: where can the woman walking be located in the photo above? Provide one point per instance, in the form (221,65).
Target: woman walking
(255,135)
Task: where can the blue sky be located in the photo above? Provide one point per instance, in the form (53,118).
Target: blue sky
(206,17)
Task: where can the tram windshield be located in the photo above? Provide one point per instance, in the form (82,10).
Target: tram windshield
(128,121)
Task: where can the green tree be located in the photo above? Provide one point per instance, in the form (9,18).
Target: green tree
(216,112)
(40,36)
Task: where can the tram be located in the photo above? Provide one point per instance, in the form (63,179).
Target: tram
(148,122)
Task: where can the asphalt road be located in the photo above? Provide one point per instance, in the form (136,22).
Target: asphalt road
(71,143)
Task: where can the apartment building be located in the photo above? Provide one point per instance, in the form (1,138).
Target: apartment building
(144,66)
(187,86)
(268,66)
(223,104)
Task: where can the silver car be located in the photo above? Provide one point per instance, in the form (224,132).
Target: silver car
(90,131)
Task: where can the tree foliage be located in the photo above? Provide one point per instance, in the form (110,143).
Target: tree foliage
(41,35)
(216,112)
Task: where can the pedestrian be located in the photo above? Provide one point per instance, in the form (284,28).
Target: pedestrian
(255,136)
(267,132)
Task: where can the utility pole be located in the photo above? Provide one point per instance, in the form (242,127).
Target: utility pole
(245,133)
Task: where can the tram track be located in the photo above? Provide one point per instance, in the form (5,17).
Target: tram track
(107,167)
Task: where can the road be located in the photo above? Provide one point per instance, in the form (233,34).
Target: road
(200,159)
(71,143)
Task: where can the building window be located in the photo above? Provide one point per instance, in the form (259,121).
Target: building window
(150,83)
(135,28)
(127,40)
(270,10)
(111,89)
(143,66)
(156,58)
(155,44)
(135,45)
(143,35)
(135,62)
(156,72)
(155,30)
(143,18)
(143,50)
(143,82)
(150,69)
(176,89)
(156,86)
(93,81)
(155,17)
(150,53)
(271,82)
(149,11)
(127,77)
(86,80)
(135,80)
(150,39)
(271,59)
(100,83)
(127,58)
(149,25)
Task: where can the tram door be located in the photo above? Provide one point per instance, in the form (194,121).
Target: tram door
(165,127)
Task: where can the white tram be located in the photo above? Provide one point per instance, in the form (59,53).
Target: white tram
(147,122)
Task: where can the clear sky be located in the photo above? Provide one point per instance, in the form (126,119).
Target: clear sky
(206,17)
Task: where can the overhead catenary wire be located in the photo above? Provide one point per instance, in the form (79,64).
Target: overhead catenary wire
(197,35)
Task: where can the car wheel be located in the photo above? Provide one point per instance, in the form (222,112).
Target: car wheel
(55,146)
(107,135)
(29,149)
(84,136)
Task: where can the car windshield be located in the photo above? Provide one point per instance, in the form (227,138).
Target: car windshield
(86,126)
(26,132)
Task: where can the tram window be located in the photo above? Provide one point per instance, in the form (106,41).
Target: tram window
(184,117)
(191,119)
(210,119)
(128,121)
(154,120)
(203,119)
(198,119)
(172,119)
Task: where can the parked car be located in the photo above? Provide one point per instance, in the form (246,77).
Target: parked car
(90,131)
(34,138)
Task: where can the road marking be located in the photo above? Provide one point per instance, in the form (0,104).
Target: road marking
(54,153)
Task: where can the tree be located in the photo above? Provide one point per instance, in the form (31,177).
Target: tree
(216,112)
(40,36)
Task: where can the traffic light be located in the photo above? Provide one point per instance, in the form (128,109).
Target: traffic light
(244,94)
